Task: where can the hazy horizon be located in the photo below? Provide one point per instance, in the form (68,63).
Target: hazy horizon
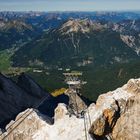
(73,5)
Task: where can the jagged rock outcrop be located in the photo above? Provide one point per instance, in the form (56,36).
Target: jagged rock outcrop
(83,26)
(33,122)
(76,104)
(115,115)
(26,93)
(34,127)
(14,98)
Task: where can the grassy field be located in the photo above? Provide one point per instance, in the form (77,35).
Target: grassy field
(99,80)
(5,63)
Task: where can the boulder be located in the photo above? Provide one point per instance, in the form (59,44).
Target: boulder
(117,113)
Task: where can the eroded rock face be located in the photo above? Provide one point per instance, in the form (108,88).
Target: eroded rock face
(76,104)
(33,122)
(26,93)
(118,113)
(15,98)
(115,115)
(133,86)
(60,112)
(128,125)
(36,127)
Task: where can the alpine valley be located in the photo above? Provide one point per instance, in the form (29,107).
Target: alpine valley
(69,75)
(105,46)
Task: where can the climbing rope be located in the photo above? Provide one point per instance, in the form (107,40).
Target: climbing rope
(87,124)
(86,119)
(85,128)
(27,113)
(89,117)
(16,125)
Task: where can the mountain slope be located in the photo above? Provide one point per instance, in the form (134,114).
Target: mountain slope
(14,99)
(114,116)
(73,42)
(15,33)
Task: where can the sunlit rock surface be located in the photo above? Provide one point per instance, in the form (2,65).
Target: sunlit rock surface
(37,127)
(115,115)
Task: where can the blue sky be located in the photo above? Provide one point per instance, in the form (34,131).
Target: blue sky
(69,5)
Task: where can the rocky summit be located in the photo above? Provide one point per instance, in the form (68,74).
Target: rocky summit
(117,113)
(16,97)
(83,26)
(114,116)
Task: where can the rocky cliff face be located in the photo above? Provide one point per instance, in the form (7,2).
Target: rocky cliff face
(114,116)
(117,113)
(82,26)
(26,93)
(15,98)
(34,127)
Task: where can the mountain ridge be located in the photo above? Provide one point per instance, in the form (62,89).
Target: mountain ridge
(70,41)
(112,111)
(25,93)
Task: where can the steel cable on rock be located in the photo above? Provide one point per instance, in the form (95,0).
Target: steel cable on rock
(23,118)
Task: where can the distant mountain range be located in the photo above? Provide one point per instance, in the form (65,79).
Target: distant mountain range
(104,45)
(78,41)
